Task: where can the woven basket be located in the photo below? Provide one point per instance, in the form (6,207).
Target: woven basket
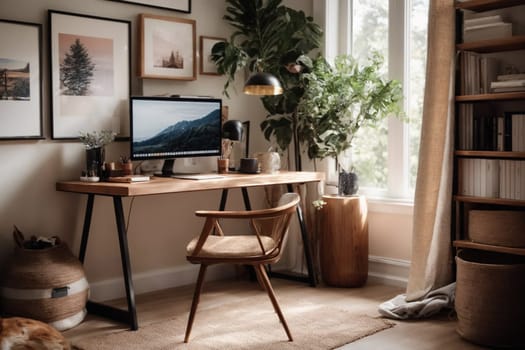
(48,285)
(489,298)
(497,227)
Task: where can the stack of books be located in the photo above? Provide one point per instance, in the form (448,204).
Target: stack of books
(508,83)
(477,72)
(485,28)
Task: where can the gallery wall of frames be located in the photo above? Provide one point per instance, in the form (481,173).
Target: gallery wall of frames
(89,60)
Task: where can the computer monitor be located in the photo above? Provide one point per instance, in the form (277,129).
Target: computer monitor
(173,127)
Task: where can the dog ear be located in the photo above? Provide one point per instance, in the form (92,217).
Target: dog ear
(18,237)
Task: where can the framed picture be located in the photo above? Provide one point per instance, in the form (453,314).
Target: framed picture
(207,66)
(167,48)
(175,5)
(20,80)
(90,74)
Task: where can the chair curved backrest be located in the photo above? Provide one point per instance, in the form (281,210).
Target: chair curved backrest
(264,244)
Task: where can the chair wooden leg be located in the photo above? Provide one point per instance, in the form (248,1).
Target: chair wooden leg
(195,302)
(261,272)
(260,279)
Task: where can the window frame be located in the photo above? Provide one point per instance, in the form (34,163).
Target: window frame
(337,22)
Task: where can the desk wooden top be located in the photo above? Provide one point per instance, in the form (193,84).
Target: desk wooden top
(160,185)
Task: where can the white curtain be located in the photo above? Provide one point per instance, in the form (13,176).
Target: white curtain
(431,266)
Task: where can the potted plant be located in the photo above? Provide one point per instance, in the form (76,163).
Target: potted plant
(337,101)
(94,143)
(272,38)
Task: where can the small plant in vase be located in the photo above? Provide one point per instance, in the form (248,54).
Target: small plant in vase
(94,143)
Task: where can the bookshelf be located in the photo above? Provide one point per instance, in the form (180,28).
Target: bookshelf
(489,154)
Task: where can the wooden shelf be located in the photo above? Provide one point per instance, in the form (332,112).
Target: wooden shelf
(501,96)
(487,200)
(486,5)
(506,48)
(492,248)
(491,154)
(512,43)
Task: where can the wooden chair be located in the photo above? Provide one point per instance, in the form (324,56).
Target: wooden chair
(263,246)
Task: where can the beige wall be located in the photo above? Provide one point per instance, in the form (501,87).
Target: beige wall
(160,226)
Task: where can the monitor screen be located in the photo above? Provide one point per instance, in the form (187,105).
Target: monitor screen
(174,127)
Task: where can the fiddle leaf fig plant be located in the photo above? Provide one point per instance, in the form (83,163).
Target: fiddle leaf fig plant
(270,37)
(340,99)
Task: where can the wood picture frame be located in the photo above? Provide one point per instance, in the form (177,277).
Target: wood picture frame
(20,80)
(207,66)
(174,5)
(97,99)
(167,47)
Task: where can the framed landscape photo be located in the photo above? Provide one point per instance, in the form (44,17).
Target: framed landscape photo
(207,66)
(167,48)
(20,80)
(90,59)
(175,5)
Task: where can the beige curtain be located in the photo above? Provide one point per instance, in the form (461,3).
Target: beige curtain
(431,265)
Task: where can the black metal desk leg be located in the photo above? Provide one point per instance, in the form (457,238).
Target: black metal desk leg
(246,198)
(126,267)
(86,227)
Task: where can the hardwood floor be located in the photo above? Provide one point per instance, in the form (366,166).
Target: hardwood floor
(436,333)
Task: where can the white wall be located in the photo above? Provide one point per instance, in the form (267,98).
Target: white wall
(160,226)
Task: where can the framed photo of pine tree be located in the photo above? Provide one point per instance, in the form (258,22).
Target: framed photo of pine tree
(90,59)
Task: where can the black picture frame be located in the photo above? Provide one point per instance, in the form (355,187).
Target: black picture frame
(174,5)
(207,66)
(98,100)
(20,80)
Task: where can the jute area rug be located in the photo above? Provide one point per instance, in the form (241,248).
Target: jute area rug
(249,324)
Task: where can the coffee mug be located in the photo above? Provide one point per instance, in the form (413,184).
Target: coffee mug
(269,162)
(249,165)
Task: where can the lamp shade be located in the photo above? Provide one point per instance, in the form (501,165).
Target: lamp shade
(262,83)
(232,130)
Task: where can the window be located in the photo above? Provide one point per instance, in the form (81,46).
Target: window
(385,157)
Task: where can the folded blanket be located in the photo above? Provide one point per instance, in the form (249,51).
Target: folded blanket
(430,304)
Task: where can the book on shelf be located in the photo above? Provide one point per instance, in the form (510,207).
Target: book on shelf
(485,28)
(507,83)
(505,77)
(514,132)
(509,89)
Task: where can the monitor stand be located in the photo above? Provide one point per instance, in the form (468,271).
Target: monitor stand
(167,169)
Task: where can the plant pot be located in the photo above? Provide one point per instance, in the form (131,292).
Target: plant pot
(347,184)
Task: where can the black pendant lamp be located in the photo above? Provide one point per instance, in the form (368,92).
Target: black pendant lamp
(263,84)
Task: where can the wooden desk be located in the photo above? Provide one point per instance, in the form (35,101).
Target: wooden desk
(167,186)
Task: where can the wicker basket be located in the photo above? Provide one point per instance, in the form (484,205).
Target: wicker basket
(489,298)
(48,285)
(497,227)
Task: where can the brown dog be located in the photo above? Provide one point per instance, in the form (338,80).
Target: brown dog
(17,333)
